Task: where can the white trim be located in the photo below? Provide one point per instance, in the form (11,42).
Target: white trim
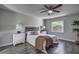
(67,39)
(6,44)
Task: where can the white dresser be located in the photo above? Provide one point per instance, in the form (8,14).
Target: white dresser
(18,38)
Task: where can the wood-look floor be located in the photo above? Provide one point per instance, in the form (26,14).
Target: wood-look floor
(19,49)
(64,47)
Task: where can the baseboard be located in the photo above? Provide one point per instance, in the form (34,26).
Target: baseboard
(67,39)
(5,44)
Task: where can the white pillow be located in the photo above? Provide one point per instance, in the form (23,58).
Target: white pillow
(44,32)
(33,32)
(29,33)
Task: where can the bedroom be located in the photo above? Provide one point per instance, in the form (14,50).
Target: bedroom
(15,18)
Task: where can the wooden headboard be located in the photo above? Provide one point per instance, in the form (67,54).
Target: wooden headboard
(31,29)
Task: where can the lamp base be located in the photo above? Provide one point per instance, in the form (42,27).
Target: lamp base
(77,42)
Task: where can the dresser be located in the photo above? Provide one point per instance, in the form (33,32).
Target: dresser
(18,38)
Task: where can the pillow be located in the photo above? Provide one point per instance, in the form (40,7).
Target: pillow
(34,33)
(44,32)
(29,33)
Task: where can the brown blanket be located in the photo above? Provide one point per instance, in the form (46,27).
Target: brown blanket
(40,42)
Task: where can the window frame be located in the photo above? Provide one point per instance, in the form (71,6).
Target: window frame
(58,31)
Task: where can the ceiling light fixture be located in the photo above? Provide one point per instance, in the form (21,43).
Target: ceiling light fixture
(50,11)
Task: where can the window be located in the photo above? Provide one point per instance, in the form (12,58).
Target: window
(57,26)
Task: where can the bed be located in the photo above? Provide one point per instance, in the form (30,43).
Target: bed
(33,33)
(31,38)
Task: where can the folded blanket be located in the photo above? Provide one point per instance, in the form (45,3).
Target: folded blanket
(43,40)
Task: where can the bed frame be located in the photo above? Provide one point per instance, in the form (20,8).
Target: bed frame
(30,29)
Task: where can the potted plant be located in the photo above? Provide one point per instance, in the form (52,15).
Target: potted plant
(76,29)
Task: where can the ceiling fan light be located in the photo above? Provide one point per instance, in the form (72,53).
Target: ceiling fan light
(50,11)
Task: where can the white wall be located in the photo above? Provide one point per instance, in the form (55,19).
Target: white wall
(29,21)
(68,34)
(8,21)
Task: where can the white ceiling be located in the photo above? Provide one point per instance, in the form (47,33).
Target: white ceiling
(34,10)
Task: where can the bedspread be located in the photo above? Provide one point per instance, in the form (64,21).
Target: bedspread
(40,41)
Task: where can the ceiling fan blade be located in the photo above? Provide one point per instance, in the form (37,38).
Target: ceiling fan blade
(57,6)
(56,11)
(50,7)
(44,11)
(46,7)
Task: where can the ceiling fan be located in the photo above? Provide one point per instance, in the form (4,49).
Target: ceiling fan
(51,8)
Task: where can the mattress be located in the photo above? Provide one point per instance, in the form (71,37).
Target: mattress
(32,38)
